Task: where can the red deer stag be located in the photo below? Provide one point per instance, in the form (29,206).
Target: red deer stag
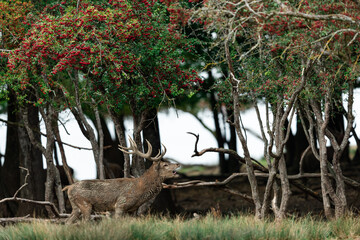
(122,195)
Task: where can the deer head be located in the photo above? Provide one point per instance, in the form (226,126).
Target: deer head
(163,168)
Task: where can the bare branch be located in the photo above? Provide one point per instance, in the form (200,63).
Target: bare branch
(43,203)
(336,17)
(196,143)
(257,166)
(43,134)
(238,193)
(302,159)
(25,182)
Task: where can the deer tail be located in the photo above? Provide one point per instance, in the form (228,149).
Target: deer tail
(66,188)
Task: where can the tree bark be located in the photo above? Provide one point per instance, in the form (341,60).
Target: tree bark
(163,202)
(249,164)
(10,172)
(112,155)
(53,176)
(100,142)
(87,129)
(62,153)
(218,133)
(232,162)
(31,159)
(152,134)
(120,132)
(138,164)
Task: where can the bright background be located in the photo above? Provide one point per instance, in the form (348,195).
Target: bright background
(174,125)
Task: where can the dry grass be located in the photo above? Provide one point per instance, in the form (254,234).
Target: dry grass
(207,227)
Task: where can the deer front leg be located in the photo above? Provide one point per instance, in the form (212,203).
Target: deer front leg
(119,212)
(120,207)
(145,206)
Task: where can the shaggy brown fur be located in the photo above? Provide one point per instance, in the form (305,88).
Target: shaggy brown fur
(122,195)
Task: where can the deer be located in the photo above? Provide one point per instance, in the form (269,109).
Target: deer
(120,195)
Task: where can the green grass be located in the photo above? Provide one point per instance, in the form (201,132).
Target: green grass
(189,169)
(208,227)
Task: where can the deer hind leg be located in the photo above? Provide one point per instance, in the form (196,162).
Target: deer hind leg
(75,214)
(85,210)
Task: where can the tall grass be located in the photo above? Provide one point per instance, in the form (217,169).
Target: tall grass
(208,227)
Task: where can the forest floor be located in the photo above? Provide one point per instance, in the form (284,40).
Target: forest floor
(201,200)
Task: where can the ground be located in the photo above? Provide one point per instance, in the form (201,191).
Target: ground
(203,199)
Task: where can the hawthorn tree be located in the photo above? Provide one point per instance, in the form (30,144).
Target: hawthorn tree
(294,55)
(113,54)
(16,16)
(329,39)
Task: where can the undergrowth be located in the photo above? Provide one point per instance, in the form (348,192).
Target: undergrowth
(207,227)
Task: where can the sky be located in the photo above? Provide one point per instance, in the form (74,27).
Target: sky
(174,125)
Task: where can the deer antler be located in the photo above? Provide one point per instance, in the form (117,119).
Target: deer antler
(133,147)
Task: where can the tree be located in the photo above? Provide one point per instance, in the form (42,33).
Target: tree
(16,17)
(97,53)
(292,52)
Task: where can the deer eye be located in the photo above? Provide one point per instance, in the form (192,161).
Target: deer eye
(165,165)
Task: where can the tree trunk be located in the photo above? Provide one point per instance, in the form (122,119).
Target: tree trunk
(10,174)
(120,133)
(280,144)
(113,157)
(325,181)
(329,193)
(232,162)
(218,133)
(267,193)
(87,129)
(53,177)
(285,189)
(100,143)
(249,164)
(31,159)
(138,164)
(163,202)
(62,153)
(53,181)
(152,134)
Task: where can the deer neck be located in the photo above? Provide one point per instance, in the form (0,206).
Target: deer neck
(151,177)
(151,183)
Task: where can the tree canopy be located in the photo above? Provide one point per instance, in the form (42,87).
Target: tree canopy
(123,49)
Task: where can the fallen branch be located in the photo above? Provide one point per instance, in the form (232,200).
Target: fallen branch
(257,166)
(43,203)
(199,183)
(238,193)
(293,180)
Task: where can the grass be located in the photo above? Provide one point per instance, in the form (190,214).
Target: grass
(208,227)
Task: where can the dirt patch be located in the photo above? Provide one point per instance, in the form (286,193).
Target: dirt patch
(202,199)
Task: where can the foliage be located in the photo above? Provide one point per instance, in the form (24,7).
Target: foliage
(207,227)
(122,48)
(15,18)
(270,42)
